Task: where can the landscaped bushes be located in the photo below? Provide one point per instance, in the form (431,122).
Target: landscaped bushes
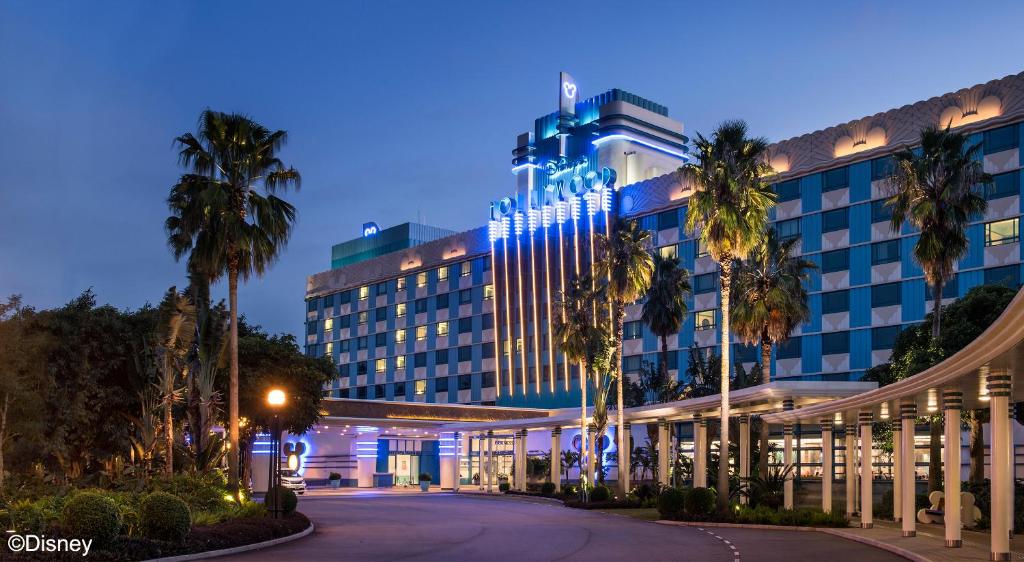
(790,517)
(283,500)
(700,502)
(164,517)
(504,487)
(547,488)
(671,502)
(91,515)
(601,493)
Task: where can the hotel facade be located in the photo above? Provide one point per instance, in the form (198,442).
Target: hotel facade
(420,314)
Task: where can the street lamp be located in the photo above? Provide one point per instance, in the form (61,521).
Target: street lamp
(275,399)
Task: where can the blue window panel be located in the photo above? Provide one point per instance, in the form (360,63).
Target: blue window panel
(789,349)
(912,304)
(810,228)
(787,190)
(860,349)
(975,256)
(860,307)
(687,254)
(834,343)
(814,304)
(836,178)
(910,267)
(810,193)
(998,140)
(860,265)
(860,223)
(860,181)
(835,301)
(813,282)
(1003,185)
(811,352)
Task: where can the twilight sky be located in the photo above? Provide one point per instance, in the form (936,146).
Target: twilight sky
(400,108)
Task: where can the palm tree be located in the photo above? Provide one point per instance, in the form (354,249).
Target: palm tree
(226,217)
(665,306)
(175,326)
(625,261)
(730,210)
(208,358)
(935,192)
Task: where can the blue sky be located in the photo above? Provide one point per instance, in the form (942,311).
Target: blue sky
(399,108)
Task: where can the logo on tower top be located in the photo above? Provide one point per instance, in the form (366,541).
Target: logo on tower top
(567,94)
(570,89)
(370,229)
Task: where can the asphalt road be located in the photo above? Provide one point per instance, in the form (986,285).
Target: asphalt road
(450,528)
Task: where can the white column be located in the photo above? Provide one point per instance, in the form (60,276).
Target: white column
(999,403)
(787,460)
(700,455)
(897,471)
(952,402)
(908,416)
(366,459)
(592,456)
(851,468)
(523,454)
(556,458)
(663,452)
(625,457)
(448,464)
(826,465)
(490,461)
(744,460)
(866,475)
(481,476)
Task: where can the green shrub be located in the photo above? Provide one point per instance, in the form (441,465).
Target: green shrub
(671,502)
(282,499)
(504,487)
(763,515)
(547,488)
(164,517)
(90,515)
(571,491)
(700,501)
(601,493)
(645,492)
(201,492)
(334,476)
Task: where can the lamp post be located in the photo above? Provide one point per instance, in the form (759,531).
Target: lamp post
(275,399)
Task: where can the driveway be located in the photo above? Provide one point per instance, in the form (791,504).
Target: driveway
(448,527)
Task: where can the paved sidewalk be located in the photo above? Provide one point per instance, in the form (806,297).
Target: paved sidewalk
(930,542)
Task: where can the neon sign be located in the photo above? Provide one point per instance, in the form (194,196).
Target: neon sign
(569,180)
(370,229)
(570,89)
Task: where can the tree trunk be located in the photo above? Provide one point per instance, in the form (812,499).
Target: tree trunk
(233,441)
(723,463)
(584,381)
(766,358)
(937,310)
(935,454)
(3,435)
(663,368)
(620,435)
(762,460)
(976,474)
(168,420)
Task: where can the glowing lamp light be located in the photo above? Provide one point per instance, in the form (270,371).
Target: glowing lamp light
(532,219)
(276,397)
(628,138)
(606,200)
(884,414)
(504,227)
(983,384)
(547,214)
(293,462)
(561,211)
(838,418)
(933,400)
(593,202)
(493,230)
(518,222)
(574,208)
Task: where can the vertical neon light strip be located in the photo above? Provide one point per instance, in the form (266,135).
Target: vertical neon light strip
(522,313)
(608,233)
(497,325)
(536,319)
(561,284)
(547,293)
(508,309)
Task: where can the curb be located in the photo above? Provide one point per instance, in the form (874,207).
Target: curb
(901,552)
(236,549)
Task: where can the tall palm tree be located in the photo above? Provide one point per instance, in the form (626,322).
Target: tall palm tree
(208,358)
(665,306)
(174,336)
(729,208)
(935,192)
(226,217)
(624,259)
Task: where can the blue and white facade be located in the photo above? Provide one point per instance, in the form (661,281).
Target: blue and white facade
(464,318)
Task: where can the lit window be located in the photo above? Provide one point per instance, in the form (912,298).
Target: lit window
(442,273)
(328,324)
(632,330)
(519,344)
(505,347)
(399,336)
(421,333)
(364,293)
(702,248)
(466,268)
(363,317)
(421,387)
(488,292)
(400,310)
(400,284)
(1002,232)
(329,348)
(381,365)
(704,320)
(442,328)
(421,279)
(668,252)
(400,362)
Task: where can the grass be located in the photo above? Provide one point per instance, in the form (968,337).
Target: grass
(643,513)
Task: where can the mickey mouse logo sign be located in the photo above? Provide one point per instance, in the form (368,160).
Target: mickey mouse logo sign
(570,89)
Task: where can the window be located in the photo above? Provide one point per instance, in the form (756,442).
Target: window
(381,365)
(632,330)
(789,349)
(487,321)
(382,289)
(361,368)
(485,264)
(381,314)
(835,342)
(466,296)
(400,310)
(419,360)
(329,348)
(704,320)
(885,252)
(950,289)
(345,346)
(364,293)
(836,260)
(881,168)
(311,305)
(835,179)
(399,361)
(884,338)
(836,219)
(465,382)
(399,336)
(344,297)
(1008,276)
(441,384)
(442,273)
(328,324)
(441,357)
(420,387)
(442,301)
(1003,185)
(631,364)
(399,390)
(887,294)
(421,333)
(1002,232)
(421,306)
(487,351)
(880,212)
(361,393)
(421,279)
(400,284)
(488,292)
(1003,138)
(669,252)
(310,328)
(442,328)
(465,268)
(835,301)
(668,219)
(381,339)
(363,317)
(487,379)
(465,353)
(466,325)
(361,342)
(788,190)
(345,321)
(702,248)
(706,283)
(788,229)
